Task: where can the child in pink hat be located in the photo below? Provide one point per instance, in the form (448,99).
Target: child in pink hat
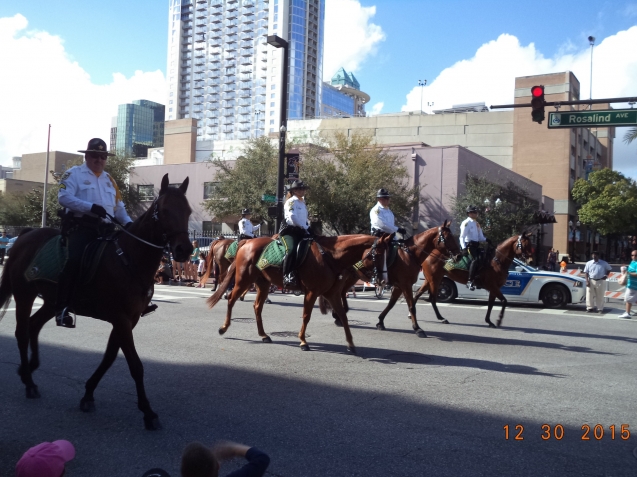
(45,460)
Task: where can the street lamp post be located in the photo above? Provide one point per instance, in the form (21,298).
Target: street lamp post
(278,42)
(421,83)
(591,41)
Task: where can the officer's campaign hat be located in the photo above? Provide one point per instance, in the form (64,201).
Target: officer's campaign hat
(471,208)
(298,185)
(96,146)
(382,193)
(246,212)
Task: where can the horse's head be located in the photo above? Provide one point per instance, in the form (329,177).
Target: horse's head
(171,212)
(523,246)
(446,241)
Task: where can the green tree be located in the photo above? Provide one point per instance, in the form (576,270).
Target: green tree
(119,168)
(630,135)
(344,175)
(608,202)
(241,185)
(499,220)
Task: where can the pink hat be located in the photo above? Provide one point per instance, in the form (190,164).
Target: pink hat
(45,460)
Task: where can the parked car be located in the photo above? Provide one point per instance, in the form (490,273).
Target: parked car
(9,245)
(525,284)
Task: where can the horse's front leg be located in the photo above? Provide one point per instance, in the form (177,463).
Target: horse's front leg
(123,330)
(395,295)
(490,307)
(308,305)
(87,403)
(504,304)
(22,313)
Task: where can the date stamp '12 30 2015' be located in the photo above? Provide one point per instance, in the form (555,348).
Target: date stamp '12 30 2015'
(556,432)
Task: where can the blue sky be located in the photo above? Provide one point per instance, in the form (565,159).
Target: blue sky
(390,45)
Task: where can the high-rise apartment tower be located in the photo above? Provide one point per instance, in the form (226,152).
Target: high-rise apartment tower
(222,72)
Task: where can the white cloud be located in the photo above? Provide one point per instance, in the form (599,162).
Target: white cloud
(350,37)
(41,84)
(490,75)
(376,109)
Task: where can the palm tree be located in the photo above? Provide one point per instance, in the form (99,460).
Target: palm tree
(630,135)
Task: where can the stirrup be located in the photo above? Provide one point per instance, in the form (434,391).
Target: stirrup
(471,286)
(64,319)
(290,280)
(151,308)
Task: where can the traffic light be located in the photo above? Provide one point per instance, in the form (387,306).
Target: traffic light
(537,104)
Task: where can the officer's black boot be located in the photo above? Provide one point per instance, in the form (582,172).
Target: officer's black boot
(472,273)
(62,315)
(289,276)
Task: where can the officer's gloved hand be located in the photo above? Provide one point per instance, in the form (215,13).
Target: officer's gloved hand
(98,210)
(402,231)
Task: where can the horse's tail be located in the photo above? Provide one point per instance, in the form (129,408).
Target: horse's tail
(324,305)
(209,264)
(6,290)
(221,289)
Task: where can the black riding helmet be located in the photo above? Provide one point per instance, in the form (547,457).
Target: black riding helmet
(383,193)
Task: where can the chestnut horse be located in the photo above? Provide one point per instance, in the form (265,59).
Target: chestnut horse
(320,274)
(217,256)
(403,273)
(491,277)
(120,291)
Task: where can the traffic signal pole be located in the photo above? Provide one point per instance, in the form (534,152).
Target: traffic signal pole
(630,99)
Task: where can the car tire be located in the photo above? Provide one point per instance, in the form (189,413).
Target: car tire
(555,296)
(447,291)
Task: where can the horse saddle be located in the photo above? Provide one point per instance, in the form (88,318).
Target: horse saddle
(275,252)
(232,250)
(49,261)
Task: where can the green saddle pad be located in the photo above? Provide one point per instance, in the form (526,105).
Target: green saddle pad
(232,250)
(274,253)
(462,264)
(48,261)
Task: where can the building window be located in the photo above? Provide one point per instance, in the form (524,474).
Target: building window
(271,113)
(146,192)
(208,189)
(272,104)
(273,86)
(271,121)
(273,95)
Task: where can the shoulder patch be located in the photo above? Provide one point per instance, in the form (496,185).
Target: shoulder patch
(66,175)
(62,186)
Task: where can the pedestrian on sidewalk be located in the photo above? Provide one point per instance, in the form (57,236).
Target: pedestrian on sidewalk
(631,285)
(551,260)
(596,272)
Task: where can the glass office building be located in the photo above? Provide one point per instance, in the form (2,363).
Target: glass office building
(140,125)
(222,72)
(342,96)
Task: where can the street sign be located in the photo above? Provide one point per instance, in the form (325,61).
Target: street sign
(601,118)
(268,198)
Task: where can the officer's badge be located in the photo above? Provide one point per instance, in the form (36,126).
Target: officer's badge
(87,182)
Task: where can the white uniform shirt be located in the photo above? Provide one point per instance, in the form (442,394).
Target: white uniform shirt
(470,231)
(246,227)
(382,218)
(597,270)
(296,212)
(80,188)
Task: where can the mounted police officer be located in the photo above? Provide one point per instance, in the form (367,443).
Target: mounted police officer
(88,193)
(470,237)
(246,229)
(296,225)
(381,217)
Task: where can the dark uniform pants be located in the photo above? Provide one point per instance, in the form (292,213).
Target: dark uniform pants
(297,233)
(474,252)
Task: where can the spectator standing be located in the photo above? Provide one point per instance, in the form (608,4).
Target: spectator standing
(631,285)
(595,271)
(4,240)
(201,269)
(551,260)
(191,271)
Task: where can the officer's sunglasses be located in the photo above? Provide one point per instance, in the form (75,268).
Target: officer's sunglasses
(97,156)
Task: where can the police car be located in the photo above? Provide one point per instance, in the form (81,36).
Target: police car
(525,284)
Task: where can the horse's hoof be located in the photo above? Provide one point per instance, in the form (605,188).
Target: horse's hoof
(222,330)
(32,392)
(445,322)
(338,323)
(87,405)
(491,325)
(420,333)
(351,349)
(380,327)
(241,298)
(267,339)
(152,423)
(305,347)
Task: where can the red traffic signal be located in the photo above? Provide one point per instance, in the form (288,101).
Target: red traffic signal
(537,104)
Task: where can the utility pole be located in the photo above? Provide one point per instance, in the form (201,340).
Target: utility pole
(421,83)
(46,179)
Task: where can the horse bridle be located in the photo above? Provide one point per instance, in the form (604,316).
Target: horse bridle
(519,246)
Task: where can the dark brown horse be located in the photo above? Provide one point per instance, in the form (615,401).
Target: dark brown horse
(217,257)
(403,273)
(492,276)
(320,274)
(120,291)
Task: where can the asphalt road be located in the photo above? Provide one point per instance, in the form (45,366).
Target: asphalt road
(405,406)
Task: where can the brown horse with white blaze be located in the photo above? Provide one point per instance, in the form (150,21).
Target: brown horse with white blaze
(492,276)
(320,275)
(403,273)
(120,291)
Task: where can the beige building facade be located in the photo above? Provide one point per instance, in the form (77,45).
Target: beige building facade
(32,166)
